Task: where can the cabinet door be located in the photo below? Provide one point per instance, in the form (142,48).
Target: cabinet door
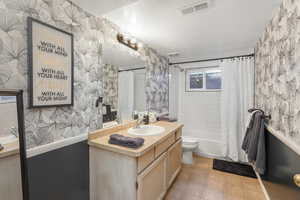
(10,178)
(173,162)
(152,182)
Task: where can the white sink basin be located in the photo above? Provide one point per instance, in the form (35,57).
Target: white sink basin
(146,130)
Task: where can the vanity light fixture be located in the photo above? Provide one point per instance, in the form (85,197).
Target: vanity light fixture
(140,45)
(131,43)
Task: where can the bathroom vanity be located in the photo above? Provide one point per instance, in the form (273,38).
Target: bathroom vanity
(145,173)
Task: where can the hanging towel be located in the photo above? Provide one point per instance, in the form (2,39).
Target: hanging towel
(254,142)
(250,117)
(249,129)
(124,141)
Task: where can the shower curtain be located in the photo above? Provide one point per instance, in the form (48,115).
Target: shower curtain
(236,98)
(125,94)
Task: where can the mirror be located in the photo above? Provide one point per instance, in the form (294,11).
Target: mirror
(123,83)
(12,146)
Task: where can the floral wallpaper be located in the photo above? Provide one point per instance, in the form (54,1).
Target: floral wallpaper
(110,85)
(278,70)
(51,124)
(46,125)
(157,84)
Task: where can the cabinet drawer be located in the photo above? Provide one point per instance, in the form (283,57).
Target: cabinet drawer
(178,133)
(163,146)
(144,160)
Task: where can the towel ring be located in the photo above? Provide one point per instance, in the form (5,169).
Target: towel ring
(268,117)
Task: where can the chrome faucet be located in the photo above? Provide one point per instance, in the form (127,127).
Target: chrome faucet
(139,123)
(143,120)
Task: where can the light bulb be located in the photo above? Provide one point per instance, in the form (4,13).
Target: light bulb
(133,41)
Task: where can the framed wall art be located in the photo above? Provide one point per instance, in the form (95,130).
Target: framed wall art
(51,65)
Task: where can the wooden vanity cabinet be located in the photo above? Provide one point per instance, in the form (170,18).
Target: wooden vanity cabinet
(115,176)
(145,160)
(173,162)
(151,183)
(155,180)
(10,178)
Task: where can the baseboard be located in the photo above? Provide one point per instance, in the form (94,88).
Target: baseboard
(174,177)
(55,145)
(207,155)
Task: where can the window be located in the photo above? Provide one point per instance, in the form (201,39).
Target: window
(196,81)
(213,80)
(204,79)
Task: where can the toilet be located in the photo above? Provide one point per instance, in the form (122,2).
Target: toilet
(189,145)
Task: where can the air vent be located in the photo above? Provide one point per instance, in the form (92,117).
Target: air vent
(188,10)
(195,7)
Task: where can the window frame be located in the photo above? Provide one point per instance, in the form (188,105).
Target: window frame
(188,81)
(204,71)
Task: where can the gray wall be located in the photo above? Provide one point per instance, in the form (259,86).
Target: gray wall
(282,164)
(62,174)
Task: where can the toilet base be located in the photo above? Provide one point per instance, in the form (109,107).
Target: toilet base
(187,157)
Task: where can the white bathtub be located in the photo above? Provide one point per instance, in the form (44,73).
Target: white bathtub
(209,148)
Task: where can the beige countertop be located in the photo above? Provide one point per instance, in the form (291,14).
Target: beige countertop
(10,149)
(150,141)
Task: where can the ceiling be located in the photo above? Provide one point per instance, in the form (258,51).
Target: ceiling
(100,7)
(226,28)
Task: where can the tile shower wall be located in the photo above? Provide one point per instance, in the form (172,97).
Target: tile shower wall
(278,71)
(47,125)
(110,85)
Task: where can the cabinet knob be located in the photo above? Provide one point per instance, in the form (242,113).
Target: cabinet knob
(297,179)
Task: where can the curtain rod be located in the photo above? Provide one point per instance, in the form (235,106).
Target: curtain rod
(126,70)
(213,59)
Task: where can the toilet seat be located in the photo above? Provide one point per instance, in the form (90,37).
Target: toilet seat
(189,142)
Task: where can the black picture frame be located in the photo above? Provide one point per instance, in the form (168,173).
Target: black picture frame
(22,142)
(30,22)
